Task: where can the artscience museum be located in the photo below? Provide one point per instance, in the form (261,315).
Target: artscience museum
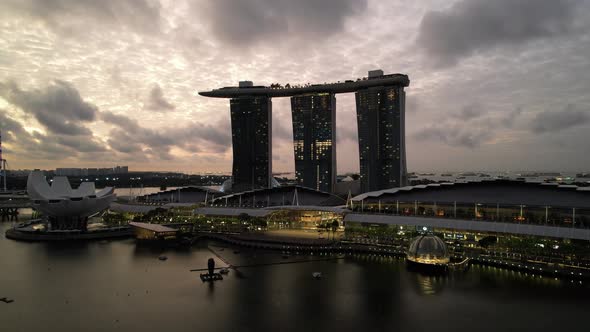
(64,207)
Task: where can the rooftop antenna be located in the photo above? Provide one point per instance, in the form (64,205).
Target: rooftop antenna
(2,163)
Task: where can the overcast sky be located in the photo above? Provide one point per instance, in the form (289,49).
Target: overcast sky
(495,85)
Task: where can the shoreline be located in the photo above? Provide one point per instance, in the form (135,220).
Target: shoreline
(350,249)
(18,235)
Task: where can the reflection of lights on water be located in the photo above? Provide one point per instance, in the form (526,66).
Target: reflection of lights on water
(427,285)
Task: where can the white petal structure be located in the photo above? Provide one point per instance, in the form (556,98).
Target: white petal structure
(60,200)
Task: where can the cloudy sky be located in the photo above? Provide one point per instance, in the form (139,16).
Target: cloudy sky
(495,85)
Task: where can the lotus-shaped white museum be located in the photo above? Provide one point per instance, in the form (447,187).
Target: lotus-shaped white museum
(67,208)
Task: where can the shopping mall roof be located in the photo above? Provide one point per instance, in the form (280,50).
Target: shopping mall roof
(232,212)
(471,225)
(153,227)
(489,191)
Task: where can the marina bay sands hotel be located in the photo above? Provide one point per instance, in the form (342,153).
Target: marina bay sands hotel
(380,109)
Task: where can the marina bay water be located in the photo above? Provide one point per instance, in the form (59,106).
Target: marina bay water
(119,285)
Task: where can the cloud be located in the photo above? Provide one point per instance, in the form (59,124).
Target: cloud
(551,121)
(35,145)
(70,16)
(243,22)
(130,137)
(508,119)
(455,135)
(346,133)
(59,108)
(157,101)
(280,131)
(81,145)
(472,26)
(471,111)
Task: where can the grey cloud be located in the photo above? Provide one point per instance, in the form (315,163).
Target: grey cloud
(280,132)
(455,136)
(68,16)
(120,120)
(157,101)
(551,121)
(242,22)
(508,119)
(471,26)
(345,133)
(10,129)
(59,107)
(471,111)
(130,137)
(51,147)
(81,145)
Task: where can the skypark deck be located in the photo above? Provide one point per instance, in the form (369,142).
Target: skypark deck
(344,87)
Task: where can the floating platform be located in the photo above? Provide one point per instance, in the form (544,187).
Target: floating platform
(211,277)
(430,269)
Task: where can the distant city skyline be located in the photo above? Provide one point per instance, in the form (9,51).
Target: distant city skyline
(116,82)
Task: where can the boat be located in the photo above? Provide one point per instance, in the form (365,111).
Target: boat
(317,275)
(6,300)
(162,258)
(206,277)
(224,270)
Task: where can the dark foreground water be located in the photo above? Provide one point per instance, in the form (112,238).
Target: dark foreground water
(119,286)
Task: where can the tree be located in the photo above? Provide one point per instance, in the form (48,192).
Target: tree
(335,226)
(243,217)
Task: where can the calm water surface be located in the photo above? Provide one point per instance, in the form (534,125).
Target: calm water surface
(119,286)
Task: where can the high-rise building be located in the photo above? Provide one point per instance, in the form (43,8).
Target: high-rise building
(251,123)
(380,117)
(381,136)
(314,140)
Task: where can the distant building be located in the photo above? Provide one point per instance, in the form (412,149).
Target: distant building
(314,140)
(381,137)
(78,172)
(251,123)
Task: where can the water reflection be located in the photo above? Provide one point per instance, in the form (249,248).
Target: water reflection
(99,284)
(428,285)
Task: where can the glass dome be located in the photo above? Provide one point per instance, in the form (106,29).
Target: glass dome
(428,249)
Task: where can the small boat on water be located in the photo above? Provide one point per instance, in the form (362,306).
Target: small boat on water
(224,270)
(6,300)
(162,258)
(317,275)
